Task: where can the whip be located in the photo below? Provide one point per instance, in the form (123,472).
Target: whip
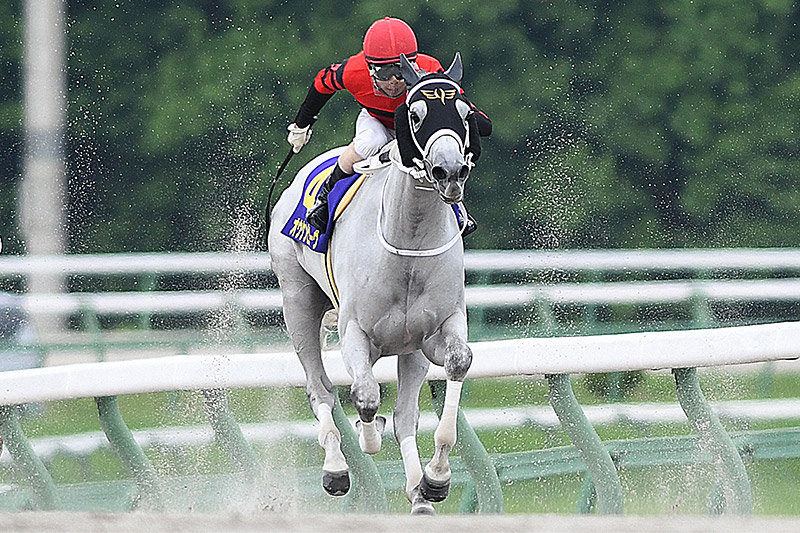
(269,197)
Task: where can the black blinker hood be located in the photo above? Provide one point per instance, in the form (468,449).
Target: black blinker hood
(405,144)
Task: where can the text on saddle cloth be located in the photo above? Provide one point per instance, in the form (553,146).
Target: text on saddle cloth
(298,228)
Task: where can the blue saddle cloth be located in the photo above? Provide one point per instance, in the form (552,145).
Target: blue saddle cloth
(297,227)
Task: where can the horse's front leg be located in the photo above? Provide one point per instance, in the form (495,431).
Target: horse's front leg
(359,355)
(411,371)
(449,349)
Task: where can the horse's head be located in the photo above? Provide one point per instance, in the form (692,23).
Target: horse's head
(433,128)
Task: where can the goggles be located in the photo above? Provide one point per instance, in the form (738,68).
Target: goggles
(386,71)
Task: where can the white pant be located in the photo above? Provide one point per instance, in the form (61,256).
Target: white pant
(371,135)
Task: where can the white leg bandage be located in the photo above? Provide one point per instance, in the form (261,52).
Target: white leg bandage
(445,436)
(411,462)
(330,439)
(446,430)
(369,438)
(326,424)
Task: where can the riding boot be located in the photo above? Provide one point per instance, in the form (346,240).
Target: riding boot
(469,225)
(317,216)
(472,225)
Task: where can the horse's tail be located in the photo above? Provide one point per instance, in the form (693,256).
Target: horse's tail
(330,320)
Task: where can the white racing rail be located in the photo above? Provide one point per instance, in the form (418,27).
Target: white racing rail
(686,261)
(541,285)
(534,356)
(624,260)
(634,292)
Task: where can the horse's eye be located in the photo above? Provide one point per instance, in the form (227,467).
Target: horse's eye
(417,111)
(464,110)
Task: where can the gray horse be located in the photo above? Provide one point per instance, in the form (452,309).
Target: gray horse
(394,268)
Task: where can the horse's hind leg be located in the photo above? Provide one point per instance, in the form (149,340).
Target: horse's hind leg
(359,355)
(448,348)
(304,305)
(411,371)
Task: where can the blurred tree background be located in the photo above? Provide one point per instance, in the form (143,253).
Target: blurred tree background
(617,124)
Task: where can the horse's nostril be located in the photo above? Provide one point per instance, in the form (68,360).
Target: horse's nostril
(439,173)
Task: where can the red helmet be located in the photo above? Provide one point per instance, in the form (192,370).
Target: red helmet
(387,38)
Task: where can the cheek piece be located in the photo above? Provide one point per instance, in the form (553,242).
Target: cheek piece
(405,143)
(474,147)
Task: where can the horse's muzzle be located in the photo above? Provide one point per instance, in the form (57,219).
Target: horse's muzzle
(452,193)
(449,181)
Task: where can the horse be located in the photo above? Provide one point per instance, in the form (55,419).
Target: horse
(394,270)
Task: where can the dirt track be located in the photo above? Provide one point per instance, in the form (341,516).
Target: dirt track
(272,523)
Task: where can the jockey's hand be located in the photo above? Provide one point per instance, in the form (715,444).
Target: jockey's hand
(298,137)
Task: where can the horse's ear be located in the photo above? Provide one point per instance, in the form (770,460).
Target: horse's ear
(456,70)
(402,130)
(408,71)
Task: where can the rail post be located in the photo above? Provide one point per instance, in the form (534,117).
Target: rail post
(147,283)
(585,439)
(469,499)
(475,457)
(33,470)
(587,501)
(477,315)
(129,451)
(714,438)
(228,433)
(547,322)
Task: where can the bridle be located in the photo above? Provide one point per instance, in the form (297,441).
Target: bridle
(424,164)
(429,91)
(431,252)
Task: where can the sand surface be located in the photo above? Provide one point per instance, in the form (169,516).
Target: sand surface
(271,523)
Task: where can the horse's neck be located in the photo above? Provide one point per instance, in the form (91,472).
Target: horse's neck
(414,217)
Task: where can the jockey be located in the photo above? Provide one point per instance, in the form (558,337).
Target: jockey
(373,77)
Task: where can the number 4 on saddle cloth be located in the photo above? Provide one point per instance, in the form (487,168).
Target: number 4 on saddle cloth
(299,229)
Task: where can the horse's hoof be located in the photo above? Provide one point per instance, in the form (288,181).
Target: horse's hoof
(423,509)
(434,491)
(336,483)
(419,505)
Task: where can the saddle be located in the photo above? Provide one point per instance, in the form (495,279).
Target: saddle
(298,228)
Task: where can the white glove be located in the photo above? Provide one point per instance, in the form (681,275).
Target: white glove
(298,137)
